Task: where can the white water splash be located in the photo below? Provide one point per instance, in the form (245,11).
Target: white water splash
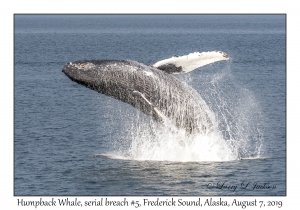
(169,146)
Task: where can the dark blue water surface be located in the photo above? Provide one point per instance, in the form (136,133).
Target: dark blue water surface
(62,129)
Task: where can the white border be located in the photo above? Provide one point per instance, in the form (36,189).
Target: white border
(8,8)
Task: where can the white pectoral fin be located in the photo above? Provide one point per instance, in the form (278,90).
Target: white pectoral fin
(186,63)
(137,93)
(157,112)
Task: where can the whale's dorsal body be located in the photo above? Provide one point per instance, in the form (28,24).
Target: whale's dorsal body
(147,88)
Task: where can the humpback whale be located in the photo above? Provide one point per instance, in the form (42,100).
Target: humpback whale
(151,89)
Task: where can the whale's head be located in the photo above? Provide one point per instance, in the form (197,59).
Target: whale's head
(93,72)
(82,72)
(108,76)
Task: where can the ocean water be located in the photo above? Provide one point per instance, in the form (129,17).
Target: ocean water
(70,140)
